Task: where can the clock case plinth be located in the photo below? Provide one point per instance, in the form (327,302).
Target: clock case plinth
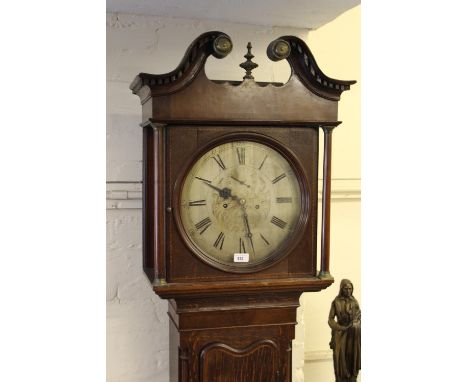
(235,325)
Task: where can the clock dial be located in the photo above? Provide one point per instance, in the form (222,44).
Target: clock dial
(241,197)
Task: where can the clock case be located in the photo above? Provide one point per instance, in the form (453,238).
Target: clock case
(242,321)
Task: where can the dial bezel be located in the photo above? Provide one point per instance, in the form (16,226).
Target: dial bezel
(287,246)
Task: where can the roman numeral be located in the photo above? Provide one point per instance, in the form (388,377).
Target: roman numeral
(241,155)
(284,199)
(219,161)
(219,241)
(265,240)
(197,203)
(203,225)
(263,161)
(203,180)
(241,246)
(278,178)
(278,222)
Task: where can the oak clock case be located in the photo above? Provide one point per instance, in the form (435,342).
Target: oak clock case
(242,203)
(230,206)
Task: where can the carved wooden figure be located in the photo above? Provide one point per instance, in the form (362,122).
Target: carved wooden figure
(345,321)
(230,207)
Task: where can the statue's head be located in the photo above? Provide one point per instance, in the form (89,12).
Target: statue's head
(346,288)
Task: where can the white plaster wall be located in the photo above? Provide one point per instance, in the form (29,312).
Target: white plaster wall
(137,324)
(137,339)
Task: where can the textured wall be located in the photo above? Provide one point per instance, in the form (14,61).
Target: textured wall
(137,339)
(137,324)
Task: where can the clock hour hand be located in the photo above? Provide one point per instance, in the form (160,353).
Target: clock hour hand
(225,192)
(240,181)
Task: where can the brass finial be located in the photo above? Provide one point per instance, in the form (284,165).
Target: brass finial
(248,65)
(222,46)
(278,50)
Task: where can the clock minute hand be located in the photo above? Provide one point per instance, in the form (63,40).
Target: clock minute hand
(249,234)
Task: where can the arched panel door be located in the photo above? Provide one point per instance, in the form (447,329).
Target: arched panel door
(258,362)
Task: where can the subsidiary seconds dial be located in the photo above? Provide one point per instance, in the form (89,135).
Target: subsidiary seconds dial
(240,204)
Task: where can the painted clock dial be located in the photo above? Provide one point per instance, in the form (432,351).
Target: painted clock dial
(240,204)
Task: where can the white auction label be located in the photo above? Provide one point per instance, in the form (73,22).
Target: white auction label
(241,257)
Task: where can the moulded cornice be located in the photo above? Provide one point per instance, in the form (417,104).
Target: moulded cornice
(304,65)
(293,49)
(210,43)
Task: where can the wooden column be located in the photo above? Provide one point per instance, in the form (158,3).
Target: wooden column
(325,254)
(148,201)
(154,200)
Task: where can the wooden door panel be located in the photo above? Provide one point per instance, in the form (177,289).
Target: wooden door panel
(258,362)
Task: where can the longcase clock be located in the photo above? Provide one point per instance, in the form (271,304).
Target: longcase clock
(230,207)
